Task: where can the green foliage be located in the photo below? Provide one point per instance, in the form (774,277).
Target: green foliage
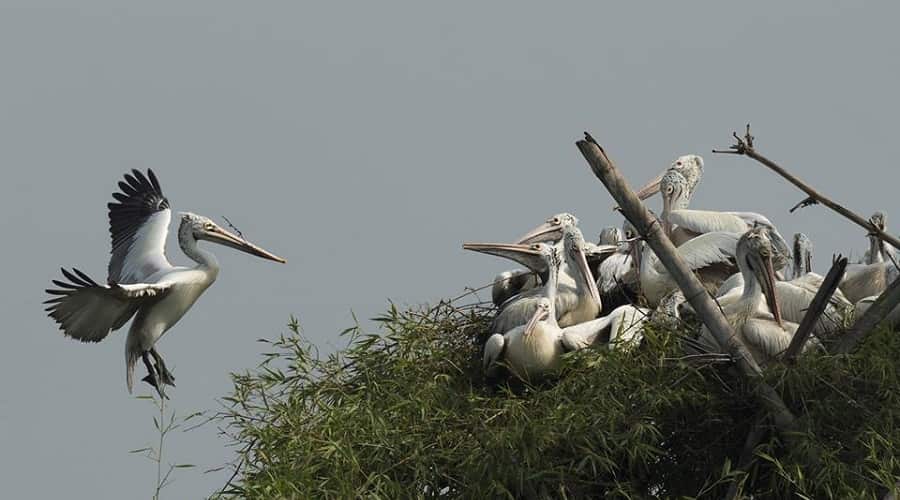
(407,413)
(164,424)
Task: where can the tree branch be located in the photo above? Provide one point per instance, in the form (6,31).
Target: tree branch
(693,290)
(816,308)
(744,146)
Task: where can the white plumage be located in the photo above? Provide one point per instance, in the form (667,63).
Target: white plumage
(141,282)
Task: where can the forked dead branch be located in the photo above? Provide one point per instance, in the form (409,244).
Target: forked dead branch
(890,298)
(707,310)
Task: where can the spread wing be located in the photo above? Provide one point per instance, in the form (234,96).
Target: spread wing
(705,250)
(88,311)
(138,226)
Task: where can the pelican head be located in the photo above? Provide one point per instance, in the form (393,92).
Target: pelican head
(802,255)
(676,193)
(690,166)
(574,247)
(537,257)
(754,253)
(551,229)
(632,244)
(879,220)
(542,312)
(610,236)
(197,227)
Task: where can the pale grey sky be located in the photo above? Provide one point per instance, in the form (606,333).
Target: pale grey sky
(365,142)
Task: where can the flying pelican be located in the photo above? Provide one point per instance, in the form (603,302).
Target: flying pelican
(141,281)
(756,316)
(682,224)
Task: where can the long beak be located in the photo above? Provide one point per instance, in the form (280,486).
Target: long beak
(523,254)
(651,187)
(808,258)
(767,280)
(594,251)
(544,232)
(585,270)
(223,237)
(538,316)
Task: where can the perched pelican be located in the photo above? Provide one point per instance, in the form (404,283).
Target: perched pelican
(682,224)
(575,271)
(804,277)
(511,283)
(689,166)
(141,282)
(878,251)
(802,256)
(756,316)
(573,296)
(711,255)
(597,253)
(531,349)
(795,296)
(618,276)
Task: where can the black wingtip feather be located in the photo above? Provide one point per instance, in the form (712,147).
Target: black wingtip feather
(140,198)
(85,277)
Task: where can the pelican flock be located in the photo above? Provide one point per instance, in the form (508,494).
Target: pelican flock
(606,293)
(141,283)
(570,294)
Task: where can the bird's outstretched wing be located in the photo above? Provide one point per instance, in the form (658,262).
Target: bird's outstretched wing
(138,227)
(705,250)
(88,311)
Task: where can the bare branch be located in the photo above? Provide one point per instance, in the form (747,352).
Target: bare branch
(693,290)
(816,308)
(744,146)
(235,229)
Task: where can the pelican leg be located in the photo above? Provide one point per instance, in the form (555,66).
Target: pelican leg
(151,375)
(165,376)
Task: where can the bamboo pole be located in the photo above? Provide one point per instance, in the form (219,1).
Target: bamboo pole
(706,309)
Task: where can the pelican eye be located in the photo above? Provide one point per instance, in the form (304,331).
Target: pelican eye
(208,226)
